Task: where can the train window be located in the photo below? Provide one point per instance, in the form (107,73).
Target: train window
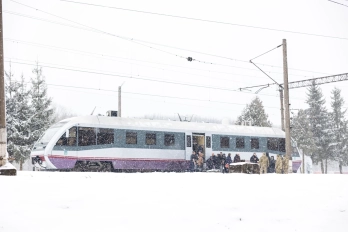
(254,143)
(131,137)
(224,142)
(68,138)
(150,139)
(169,140)
(272,144)
(281,143)
(105,136)
(62,141)
(188,140)
(87,136)
(72,136)
(208,142)
(240,142)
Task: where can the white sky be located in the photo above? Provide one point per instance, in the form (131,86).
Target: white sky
(322,56)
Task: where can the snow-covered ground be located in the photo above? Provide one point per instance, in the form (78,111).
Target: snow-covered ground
(47,201)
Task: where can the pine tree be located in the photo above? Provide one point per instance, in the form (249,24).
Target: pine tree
(255,113)
(320,125)
(301,132)
(41,105)
(18,120)
(339,127)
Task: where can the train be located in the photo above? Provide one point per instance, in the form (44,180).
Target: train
(116,144)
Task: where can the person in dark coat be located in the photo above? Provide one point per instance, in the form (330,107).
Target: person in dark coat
(229,158)
(254,159)
(236,158)
(269,162)
(219,161)
(193,160)
(272,165)
(210,162)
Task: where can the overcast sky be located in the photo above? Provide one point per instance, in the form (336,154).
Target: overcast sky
(98,48)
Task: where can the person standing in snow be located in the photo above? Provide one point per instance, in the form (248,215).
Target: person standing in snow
(236,158)
(279,164)
(193,160)
(269,162)
(272,165)
(254,158)
(264,163)
(229,158)
(285,164)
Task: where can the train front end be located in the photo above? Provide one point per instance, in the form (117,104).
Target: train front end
(42,150)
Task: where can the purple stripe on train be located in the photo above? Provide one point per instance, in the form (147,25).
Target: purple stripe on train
(168,165)
(63,163)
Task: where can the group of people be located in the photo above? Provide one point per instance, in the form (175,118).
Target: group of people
(218,162)
(222,162)
(269,165)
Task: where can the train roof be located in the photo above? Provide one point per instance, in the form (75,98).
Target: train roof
(176,126)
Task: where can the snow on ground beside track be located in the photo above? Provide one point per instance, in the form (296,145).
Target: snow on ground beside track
(44,201)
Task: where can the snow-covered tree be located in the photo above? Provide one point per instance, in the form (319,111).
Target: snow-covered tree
(255,113)
(40,103)
(301,132)
(18,113)
(320,125)
(339,127)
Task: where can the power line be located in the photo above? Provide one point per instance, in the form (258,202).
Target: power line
(205,20)
(133,40)
(126,76)
(104,56)
(145,79)
(338,3)
(143,94)
(74,67)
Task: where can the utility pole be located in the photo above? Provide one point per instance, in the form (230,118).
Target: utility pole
(282,107)
(286,102)
(119,101)
(5,167)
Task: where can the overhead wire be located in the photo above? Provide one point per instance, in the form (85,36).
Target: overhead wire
(338,3)
(144,94)
(138,77)
(104,56)
(143,78)
(85,27)
(204,20)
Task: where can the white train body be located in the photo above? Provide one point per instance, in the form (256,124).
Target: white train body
(112,143)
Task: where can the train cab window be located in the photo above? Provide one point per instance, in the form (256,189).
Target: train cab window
(105,136)
(131,137)
(208,142)
(281,144)
(254,143)
(188,140)
(272,144)
(224,142)
(240,143)
(169,140)
(150,139)
(68,138)
(87,136)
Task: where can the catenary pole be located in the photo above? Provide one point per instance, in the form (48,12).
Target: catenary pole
(286,102)
(119,101)
(281,107)
(5,167)
(3,136)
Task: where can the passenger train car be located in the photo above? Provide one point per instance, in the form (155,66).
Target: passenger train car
(103,143)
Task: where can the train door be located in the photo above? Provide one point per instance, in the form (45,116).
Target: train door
(198,142)
(188,144)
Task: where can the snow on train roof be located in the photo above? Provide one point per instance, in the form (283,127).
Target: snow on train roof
(177,126)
